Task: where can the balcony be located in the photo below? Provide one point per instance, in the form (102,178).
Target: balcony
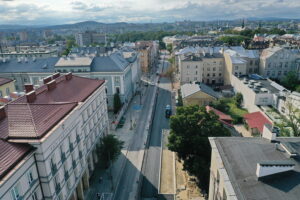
(57,188)
(71,147)
(63,157)
(80,154)
(77,138)
(54,169)
(74,164)
(66,175)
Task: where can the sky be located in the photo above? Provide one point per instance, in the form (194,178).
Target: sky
(50,12)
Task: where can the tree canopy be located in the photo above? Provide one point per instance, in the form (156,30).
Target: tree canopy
(190,129)
(290,81)
(117,103)
(110,148)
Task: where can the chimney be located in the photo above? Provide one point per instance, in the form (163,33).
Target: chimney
(56,75)
(31,96)
(47,79)
(28,88)
(69,76)
(2,112)
(51,85)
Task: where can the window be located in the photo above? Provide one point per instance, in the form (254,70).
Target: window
(286,65)
(250,70)
(196,67)
(207,74)
(117,90)
(236,67)
(187,66)
(208,69)
(280,65)
(30,177)
(220,74)
(1,95)
(34,196)
(196,72)
(251,62)
(117,80)
(15,193)
(214,69)
(213,74)
(279,73)
(270,65)
(195,78)
(7,91)
(268,73)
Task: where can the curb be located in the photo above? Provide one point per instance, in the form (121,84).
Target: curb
(159,174)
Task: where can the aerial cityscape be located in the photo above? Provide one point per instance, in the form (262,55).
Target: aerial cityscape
(150,100)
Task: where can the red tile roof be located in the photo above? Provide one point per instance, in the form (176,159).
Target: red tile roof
(4,81)
(30,120)
(11,154)
(256,120)
(78,89)
(226,119)
(34,120)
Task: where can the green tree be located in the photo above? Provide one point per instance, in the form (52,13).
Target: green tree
(238,99)
(290,81)
(117,103)
(110,148)
(298,88)
(170,47)
(291,119)
(190,129)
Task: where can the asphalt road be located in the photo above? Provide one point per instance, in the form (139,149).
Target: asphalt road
(152,160)
(127,183)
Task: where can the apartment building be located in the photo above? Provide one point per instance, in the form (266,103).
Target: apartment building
(7,86)
(121,73)
(89,37)
(148,51)
(239,61)
(276,62)
(258,91)
(201,67)
(49,139)
(255,168)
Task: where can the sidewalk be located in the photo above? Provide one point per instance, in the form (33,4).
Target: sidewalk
(125,134)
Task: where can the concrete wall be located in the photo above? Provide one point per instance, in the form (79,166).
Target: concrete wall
(198,98)
(19,178)
(220,186)
(7,88)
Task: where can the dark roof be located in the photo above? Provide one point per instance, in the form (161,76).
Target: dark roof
(240,157)
(39,65)
(4,81)
(11,154)
(256,120)
(113,63)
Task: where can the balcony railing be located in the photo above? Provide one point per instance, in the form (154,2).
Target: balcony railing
(77,138)
(54,169)
(80,154)
(74,164)
(66,175)
(63,157)
(71,147)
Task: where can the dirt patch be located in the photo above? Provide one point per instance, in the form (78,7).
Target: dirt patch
(186,188)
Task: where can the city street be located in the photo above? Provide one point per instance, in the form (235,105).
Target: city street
(152,159)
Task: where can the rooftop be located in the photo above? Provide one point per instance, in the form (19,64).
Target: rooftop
(189,89)
(74,61)
(260,84)
(4,81)
(32,119)
(256,120)
(240,157)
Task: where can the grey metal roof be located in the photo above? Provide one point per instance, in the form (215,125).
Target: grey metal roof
(39,65)
(113,63)
(189,89)
(240,157)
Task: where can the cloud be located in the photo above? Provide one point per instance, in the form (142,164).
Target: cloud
(66,11)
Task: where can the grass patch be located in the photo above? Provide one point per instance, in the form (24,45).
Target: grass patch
(228,106)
